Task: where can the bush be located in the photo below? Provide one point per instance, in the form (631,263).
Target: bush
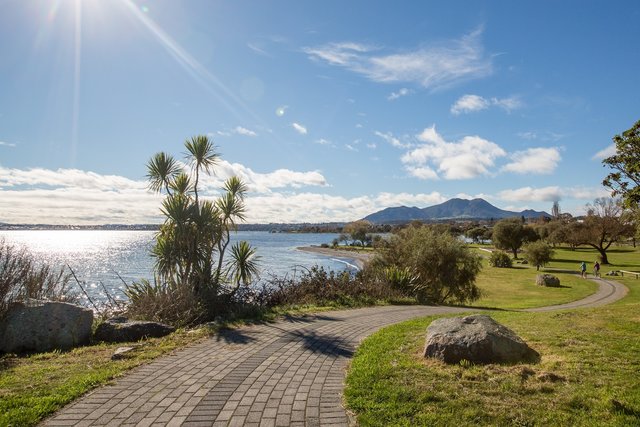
(434,267)
(21,277)
(500,259)
(538,253)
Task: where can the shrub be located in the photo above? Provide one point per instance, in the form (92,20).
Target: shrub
(538,253)
(500,259)
(432,266)
(21,277)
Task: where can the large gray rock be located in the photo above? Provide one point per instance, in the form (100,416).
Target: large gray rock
(37,325)
(119,329)
(547,280)
(478,339)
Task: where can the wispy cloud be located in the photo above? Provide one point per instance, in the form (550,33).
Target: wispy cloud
(432,66)
(468,158)
(299,128)
(534,160)
(322,141)
(553,194)
(395,95)
(7,144)
(605,152)
(257,48)
(281,111)
(473,103)
(244,131)
(392,139)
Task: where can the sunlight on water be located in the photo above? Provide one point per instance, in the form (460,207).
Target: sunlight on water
(102,257)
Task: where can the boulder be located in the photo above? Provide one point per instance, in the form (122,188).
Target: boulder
(548,280)
(37,325)
(120,329)
(478,339)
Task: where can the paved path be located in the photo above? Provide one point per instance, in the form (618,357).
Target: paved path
(286,373)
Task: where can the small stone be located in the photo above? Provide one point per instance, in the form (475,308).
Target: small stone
(121,352)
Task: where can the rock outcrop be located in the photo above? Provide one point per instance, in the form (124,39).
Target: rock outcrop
(478,339)
(39,326)
(548,280)
(120,329)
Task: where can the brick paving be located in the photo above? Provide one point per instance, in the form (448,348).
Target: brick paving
(287,373)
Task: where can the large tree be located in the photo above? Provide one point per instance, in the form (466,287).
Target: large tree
(511,233)
(603,226)
(625,180)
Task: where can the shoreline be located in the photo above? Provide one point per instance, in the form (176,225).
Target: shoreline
(360,259)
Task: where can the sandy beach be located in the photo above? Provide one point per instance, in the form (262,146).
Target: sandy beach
(359,258)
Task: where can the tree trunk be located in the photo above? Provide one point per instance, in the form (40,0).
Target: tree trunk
(603,256)
(515,253)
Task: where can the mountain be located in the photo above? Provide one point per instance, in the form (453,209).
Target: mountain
(451,209)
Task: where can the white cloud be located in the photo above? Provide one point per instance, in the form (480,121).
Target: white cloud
(432,66)
(469,103)
(395,95)
(350,147)
(407,199)
(472,103)
(553,194)
(534,160)
(372,146)
(529,194)
(7,144)
(69,178)
(299,128)
(469,158)
(605,152)
(527,135)
(391,139)
(244,131)
(322,141)
(258,49)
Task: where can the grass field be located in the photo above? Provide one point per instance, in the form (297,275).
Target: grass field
(588,373)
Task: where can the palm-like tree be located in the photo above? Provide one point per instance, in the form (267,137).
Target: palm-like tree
(161,170)
(202,155)
(191,244)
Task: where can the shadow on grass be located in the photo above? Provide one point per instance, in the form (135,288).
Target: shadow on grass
(7,362)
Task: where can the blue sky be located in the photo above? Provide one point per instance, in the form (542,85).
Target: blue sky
(329,110)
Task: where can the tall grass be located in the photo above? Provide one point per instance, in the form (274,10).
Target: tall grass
(22,277)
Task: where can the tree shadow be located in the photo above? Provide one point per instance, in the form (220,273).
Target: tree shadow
(309,318)
(234,336)
(327,344)
(7,362)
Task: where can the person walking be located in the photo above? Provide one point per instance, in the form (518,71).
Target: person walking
(583,270)
(596,269)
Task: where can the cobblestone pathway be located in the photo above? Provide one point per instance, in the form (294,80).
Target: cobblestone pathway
(288,373)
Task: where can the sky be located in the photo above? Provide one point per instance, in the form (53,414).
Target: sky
(329,110)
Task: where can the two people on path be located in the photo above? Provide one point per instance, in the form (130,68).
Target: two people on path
(583,269)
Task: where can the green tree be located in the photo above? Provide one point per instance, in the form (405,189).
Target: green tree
(510,234)
(625,180)
(477,234)
(433,267)
(192,242)
(603,226)
(358,231)
(538,253)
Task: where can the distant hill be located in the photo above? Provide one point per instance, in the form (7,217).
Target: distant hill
(451,209)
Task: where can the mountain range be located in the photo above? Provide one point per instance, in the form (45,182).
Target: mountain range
(451,209)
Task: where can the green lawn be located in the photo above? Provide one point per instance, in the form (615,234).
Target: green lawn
(588,374)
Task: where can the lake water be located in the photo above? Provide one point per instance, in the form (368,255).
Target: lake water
(99,256)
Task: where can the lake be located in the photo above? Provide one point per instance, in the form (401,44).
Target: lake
(99,256)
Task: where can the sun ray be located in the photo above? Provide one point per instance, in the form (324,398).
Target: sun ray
(190,64)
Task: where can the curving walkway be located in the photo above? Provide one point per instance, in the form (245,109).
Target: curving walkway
(286,373)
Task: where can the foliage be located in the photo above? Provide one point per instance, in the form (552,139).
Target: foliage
(538,253)
(441,267)
(192,242)
(500,259)
(603,226)
(21,277)
(511,234)
(476,234)
(625,180)
(359,232)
